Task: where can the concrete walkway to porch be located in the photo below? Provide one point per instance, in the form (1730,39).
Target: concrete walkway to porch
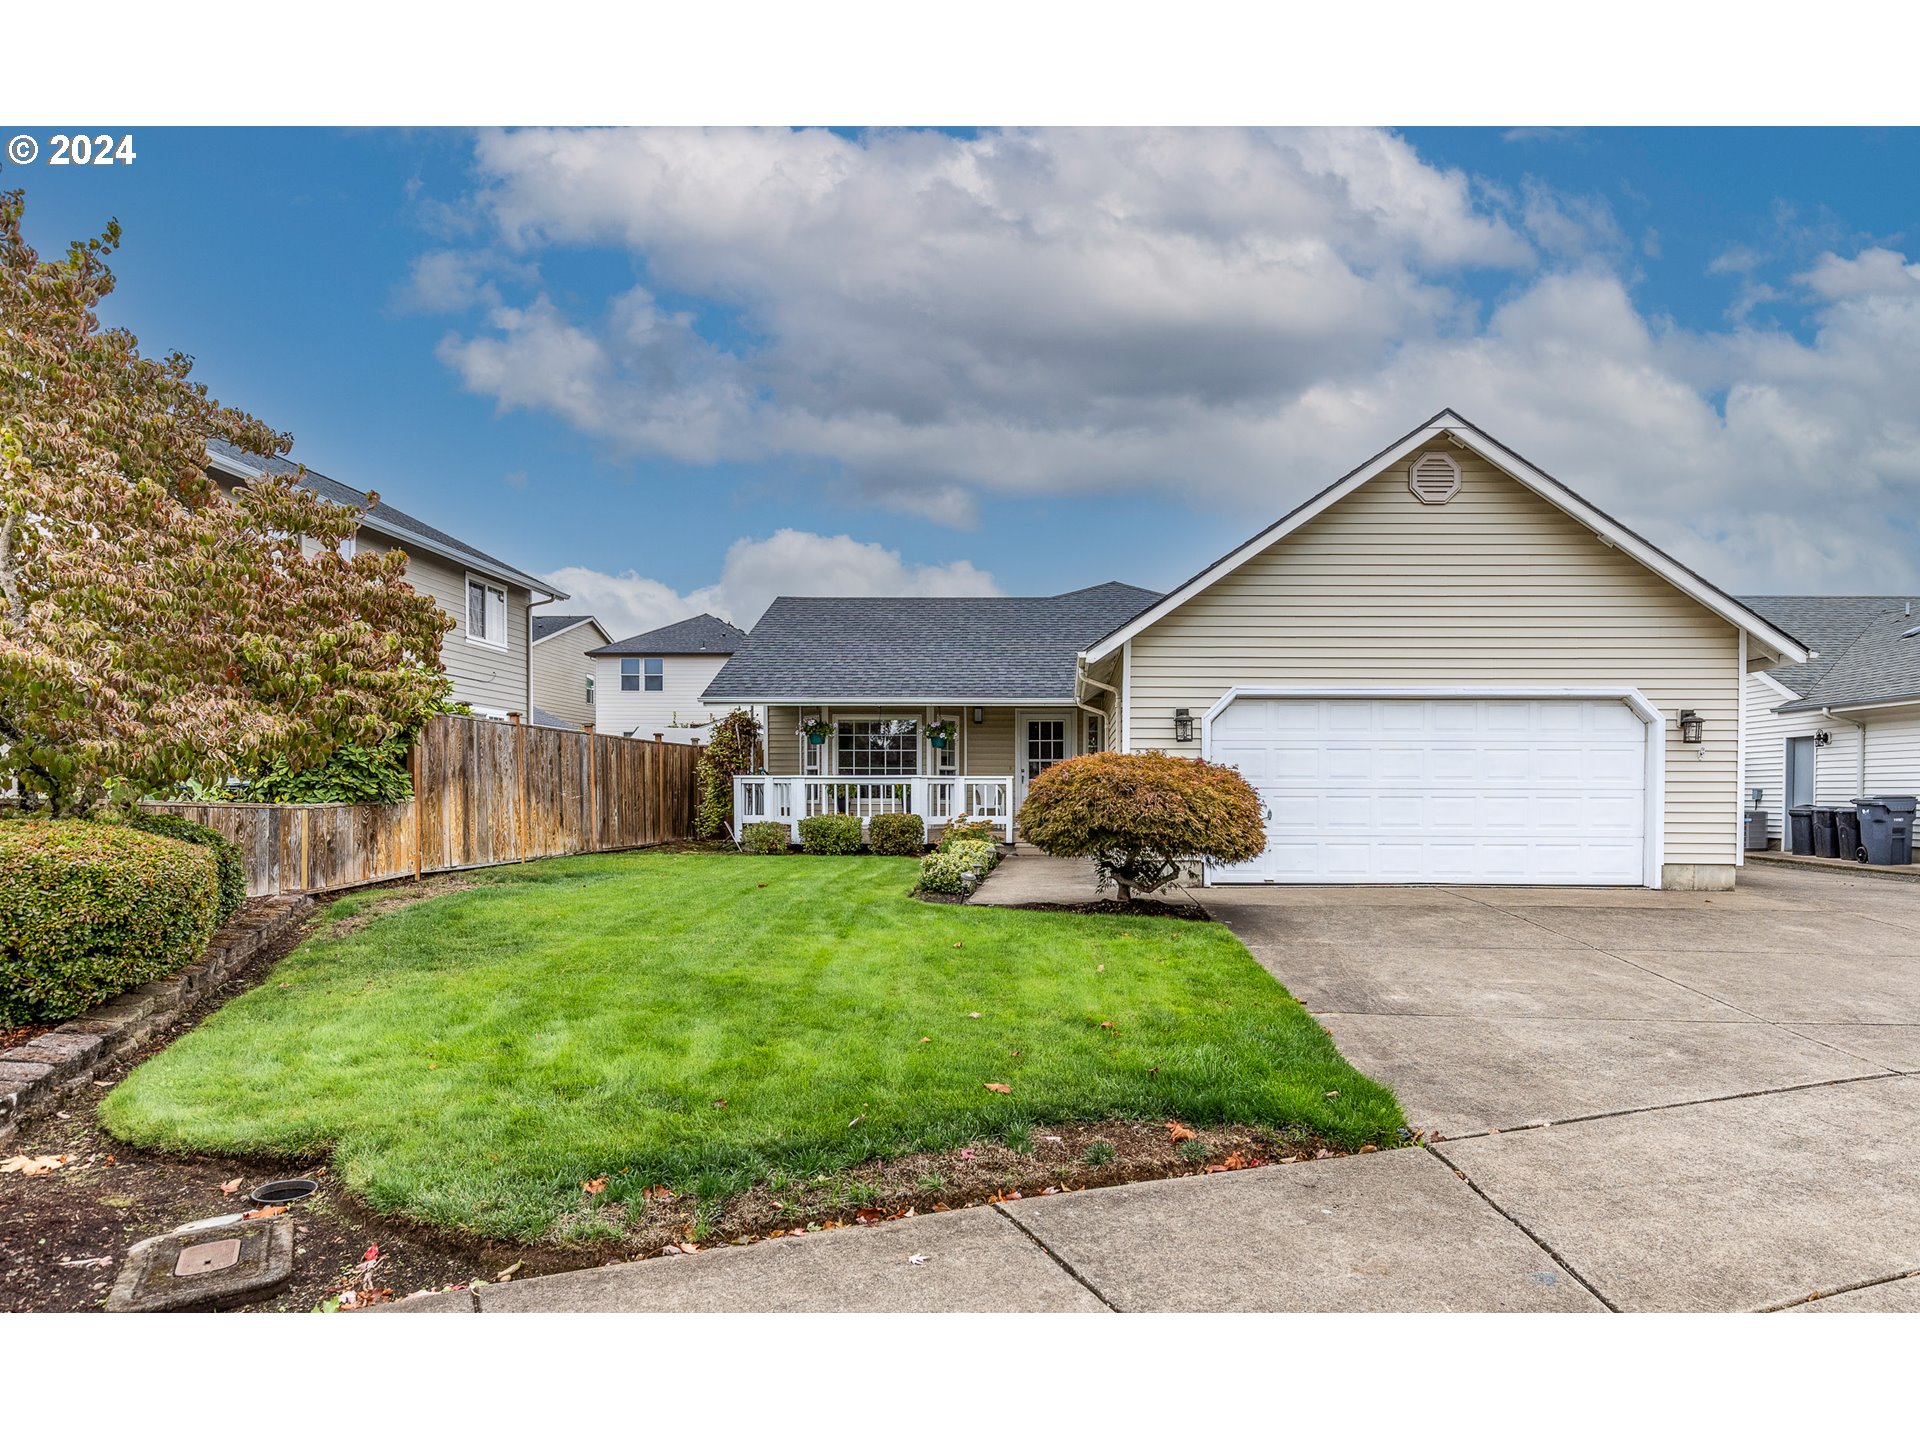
(1029,877)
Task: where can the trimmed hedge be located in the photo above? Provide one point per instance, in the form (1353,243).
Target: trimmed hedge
(765,837)
(944,872)
(226,854)
(88,911)
(896,834)
(830,834)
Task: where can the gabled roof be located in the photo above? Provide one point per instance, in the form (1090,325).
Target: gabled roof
(545,627)
(550,720)
(921,650)
(1864,656)
(382,517)
(702,635)
(1771,638)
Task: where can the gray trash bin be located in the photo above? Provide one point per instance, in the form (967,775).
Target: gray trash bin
(1886,828)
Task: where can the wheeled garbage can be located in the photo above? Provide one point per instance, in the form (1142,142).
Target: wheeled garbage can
(1800,830)
(1826,837)
(1886,829)
(1846,827)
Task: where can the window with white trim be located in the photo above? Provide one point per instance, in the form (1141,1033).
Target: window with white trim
(1094,735)
(486,614)
(630,672)
(877,747)
(589,689)
(653,674)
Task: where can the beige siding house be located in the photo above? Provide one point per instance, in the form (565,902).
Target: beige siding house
(1446,667)
(1846,722)
(486,655)
(652,683)
(563,668)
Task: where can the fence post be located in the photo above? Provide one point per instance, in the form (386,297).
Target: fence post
(520,784)
(419,742)
(659,786)
(593,815)
(306,864)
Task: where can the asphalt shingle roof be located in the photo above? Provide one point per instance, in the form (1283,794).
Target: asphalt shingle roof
(545,625)
(385,518)
(702,635)
(1863,656)
(920,648)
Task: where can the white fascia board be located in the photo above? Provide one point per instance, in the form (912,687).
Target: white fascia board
(583,620)
(1448,424)
(1025,700)
(1784,690)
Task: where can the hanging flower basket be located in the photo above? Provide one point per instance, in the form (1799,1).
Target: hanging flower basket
(816,732)
(941,736)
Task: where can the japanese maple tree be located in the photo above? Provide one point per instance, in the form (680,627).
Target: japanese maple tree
(152,630)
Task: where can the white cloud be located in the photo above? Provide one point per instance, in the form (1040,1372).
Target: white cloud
(788,562)
(1232,316)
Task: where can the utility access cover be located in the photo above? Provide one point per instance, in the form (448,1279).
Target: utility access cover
(213,1255)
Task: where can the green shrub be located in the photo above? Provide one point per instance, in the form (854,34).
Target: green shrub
(896,834)
(765,837)
(1140,816)
(830,834)
(961,828)
(945,872)
(88,911)
(226,855)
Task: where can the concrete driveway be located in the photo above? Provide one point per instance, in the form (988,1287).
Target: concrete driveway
(1690,1101)
(1647,1101)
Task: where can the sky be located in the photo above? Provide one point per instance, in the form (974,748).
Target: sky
(679,371)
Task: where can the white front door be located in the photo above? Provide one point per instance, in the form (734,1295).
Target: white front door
(1045,739)
(1447,791)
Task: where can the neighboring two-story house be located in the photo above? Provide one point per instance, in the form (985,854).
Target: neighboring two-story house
(488,653)
(563,668)
(651,683)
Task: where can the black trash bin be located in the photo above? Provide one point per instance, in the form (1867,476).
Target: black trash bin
(1826,838)
(1886,829)
(1846,833)
(1800,830)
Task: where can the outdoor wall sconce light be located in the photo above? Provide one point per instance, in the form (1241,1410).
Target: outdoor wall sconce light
(979,714)
(1692,727)
(1183,725)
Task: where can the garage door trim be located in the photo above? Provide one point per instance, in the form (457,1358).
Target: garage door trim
(1650,716)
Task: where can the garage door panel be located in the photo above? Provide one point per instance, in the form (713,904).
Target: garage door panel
(1441,791)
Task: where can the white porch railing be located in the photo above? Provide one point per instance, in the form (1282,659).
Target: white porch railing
(936,799)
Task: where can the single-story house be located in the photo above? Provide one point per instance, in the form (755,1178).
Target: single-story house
(652,683)
(1845,722)
(563,667)
(488,652)
(1445,667)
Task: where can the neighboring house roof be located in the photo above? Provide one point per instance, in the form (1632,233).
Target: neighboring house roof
(1450,425)
(702,635)
(1863,654)
(382,517)
(909,649)
(545,627)
(551,721)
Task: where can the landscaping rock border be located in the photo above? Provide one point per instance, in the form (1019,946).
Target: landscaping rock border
(35,1075)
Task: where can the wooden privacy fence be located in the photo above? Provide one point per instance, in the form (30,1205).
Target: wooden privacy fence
(485,792)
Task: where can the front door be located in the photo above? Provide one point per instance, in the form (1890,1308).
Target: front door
(1043,743)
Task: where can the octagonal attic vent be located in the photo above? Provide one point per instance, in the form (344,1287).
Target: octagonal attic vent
(1434,477)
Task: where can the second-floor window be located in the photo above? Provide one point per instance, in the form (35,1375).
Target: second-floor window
(638,674)
(486,613)
(589,689)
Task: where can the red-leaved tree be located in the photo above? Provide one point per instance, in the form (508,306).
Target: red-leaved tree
(153,631)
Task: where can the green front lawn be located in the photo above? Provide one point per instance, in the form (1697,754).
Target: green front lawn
(471,1059)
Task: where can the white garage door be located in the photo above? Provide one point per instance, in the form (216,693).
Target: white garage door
(1490,792)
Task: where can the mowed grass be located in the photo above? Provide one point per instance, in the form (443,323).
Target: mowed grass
(470,1060)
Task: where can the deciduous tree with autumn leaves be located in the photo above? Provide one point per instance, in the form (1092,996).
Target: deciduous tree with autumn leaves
(152,630)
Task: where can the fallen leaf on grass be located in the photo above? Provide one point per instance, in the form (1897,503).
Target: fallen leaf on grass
(1333,1094)
(926,1039)
(1106,1024)
(1178,1132)
(855,1121)
(719,1104)
(231,1186)
(33,1164)
(966,1154)
(594,1186)
(973,1015)
(956,945)
(998,1088)
(1099,969)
